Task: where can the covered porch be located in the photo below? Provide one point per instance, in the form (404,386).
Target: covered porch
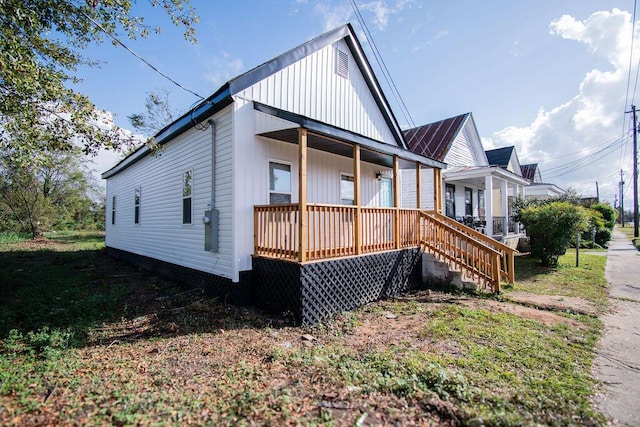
(309,232)
(481,198)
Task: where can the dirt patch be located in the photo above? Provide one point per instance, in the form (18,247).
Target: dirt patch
(555,303)
(542,316)
(540,313)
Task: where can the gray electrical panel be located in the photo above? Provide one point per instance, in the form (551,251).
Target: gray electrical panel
(211,220)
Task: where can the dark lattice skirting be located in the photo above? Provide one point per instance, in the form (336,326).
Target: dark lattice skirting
(211,284)
(315,291)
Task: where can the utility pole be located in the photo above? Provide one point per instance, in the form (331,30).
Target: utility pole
(597,193)
(621,185)
(635,173)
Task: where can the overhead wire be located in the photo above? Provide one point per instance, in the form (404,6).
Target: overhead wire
(623,148)
(385,71)
(131,51)
(584,161)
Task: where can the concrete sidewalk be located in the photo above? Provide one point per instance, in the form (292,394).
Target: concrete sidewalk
(617,362)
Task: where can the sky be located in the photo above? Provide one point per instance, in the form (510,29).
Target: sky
(551,77)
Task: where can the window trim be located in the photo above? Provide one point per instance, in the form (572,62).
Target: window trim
(470,203)
(348,175)
(113,210)
(137,195)
(189,196)
(269,190)
(448,186)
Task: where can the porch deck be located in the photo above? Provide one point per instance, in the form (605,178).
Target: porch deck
(331,231)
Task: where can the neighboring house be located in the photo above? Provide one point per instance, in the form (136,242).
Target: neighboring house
(537,188)
(282,190)
(477,190)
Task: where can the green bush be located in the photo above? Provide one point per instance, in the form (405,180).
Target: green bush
(609,214)
(552,227)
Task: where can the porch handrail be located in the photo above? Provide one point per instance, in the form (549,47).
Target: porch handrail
(331,232)
(475,259)
(507,254)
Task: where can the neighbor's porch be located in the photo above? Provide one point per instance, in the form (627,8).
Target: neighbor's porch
(482,198)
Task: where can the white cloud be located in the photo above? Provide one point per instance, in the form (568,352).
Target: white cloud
(223,68)
(334,15)
(590,120)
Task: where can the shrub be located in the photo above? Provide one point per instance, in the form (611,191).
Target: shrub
(609,214)
(551,229)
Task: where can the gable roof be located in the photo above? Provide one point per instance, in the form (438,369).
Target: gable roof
(435,139)
(223,96)
(529,171)
(500,156)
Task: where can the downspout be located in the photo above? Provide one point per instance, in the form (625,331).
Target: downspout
(211,218)
(212,124)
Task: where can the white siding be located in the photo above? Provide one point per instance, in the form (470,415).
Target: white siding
(312,88)
(160,233)
(408,198)
(463,152)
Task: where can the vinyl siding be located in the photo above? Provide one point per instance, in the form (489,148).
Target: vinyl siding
(408,197)
(160,233)
(312,88)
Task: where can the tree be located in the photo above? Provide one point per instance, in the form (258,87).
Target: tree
(551,228)
(158,113)
(53,193)
(41,43)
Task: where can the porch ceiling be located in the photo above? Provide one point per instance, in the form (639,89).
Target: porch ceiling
(331,145)
(324,137)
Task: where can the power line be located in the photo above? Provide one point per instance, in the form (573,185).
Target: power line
(114,38)
(385,71)
(583,161)
(623,149)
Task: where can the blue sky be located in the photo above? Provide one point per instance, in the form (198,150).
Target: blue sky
(548,76)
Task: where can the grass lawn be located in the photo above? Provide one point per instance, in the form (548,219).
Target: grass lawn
(88,340)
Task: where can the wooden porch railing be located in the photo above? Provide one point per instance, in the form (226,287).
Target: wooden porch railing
(474,259)
(332,231)
(507,254)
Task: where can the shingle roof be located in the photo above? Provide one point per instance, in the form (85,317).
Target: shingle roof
(500,156)
(529,171)
(435,139)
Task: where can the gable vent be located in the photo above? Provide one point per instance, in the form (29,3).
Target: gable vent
(342,63)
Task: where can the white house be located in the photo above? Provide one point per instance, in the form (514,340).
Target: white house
(537,187)
(478,187)
(282,189)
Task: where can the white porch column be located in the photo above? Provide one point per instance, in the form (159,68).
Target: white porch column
(504,206)
(488,204)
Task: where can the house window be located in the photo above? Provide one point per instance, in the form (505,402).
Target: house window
(113,210)
(279,183)
(187,192)
(136,206)
(481,204)
(342,63)
(347,189)
(468,201)
(450,200)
